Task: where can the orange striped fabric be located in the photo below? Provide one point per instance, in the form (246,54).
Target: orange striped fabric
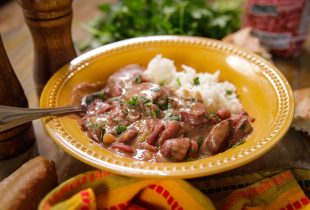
(278,192)
(106,191)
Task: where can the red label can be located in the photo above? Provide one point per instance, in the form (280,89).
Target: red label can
(281,25)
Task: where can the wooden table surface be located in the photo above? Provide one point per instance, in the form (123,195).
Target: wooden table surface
(292,151)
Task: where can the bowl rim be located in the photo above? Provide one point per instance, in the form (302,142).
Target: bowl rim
(197,168)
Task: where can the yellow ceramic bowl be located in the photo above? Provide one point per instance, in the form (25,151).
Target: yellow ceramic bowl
(263,90)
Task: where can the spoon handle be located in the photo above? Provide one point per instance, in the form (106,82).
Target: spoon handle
(13,116)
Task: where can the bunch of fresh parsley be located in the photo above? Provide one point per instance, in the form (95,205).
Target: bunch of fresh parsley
(133,18)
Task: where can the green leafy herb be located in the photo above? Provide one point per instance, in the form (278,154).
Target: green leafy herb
(213,114)
(196,81)
(133,101)
(180,17)
(170,116)
(120,129)
(145,101)
(200,141)
(193,150)
(238,143)
(91,97)
(229,92)
(138,79)
(155,113)
(162,103)
(149,103)
(169,105)
(246,127)
(189,159)
(178,81)
(93,126)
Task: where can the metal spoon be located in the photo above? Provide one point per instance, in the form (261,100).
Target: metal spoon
(11,117)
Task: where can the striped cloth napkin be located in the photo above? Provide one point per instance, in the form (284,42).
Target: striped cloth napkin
(103,190)
(114,192)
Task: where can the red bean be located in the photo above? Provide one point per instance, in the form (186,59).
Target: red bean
(146,146)
(223,113)
(150,139)
(172,128)
(193,150)
(128,136)
(122,147)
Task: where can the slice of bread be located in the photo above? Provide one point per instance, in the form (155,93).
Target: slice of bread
(301,119)
(244,38)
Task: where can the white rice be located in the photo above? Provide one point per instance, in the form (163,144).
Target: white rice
(214,94)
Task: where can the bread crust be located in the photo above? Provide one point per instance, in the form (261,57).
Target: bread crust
(301,119)
(26,187)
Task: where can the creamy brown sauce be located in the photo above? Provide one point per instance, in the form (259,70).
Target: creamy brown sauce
(145,121)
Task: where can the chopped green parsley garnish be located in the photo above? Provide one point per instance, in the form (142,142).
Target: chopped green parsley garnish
(93,126)
(91,97)
(138,79)
(245,127)
(133,101)
(170,116)
(155,113)
(148,103)
(101,95)
(169,105)
(200,141)
(229,92)
(162,103)
(178,81)
(212,114)
(120,129)
(189,159)
(238,143)
(196,81)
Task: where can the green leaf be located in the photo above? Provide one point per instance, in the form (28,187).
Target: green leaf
(200,141)
(196,81)
(105,7)
(133,101)
(138,79)
(120,129)
(178,81)
(238,143)
(229,92)
(132,18)
(155,113)
(170,116)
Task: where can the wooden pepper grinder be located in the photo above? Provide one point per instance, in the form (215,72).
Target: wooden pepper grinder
(50,26)
(15,140)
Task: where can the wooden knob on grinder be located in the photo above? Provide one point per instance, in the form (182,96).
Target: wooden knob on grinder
(16,140)
(50,26)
